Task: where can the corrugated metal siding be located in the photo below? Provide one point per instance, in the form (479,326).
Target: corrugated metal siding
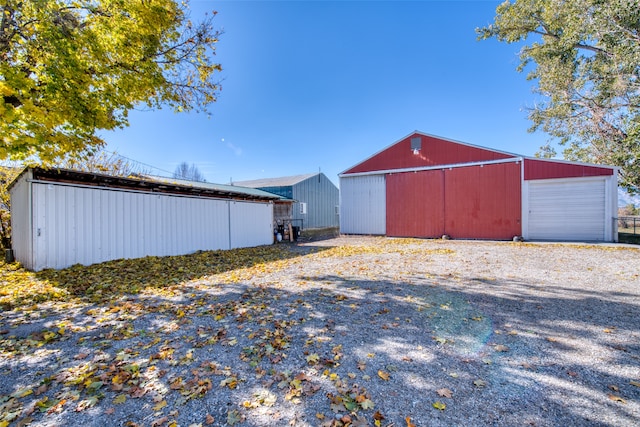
(362,205)
(284,191)
(483,202)
(89,225)
(251,224)
(21,231)
(321,197)
(478,202)
(573,209)
(415,204)
(547,169)
(434,152)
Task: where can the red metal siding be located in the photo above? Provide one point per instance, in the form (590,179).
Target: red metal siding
(547,169)
(483,202)
(415,204)
(434,152)
(468,202)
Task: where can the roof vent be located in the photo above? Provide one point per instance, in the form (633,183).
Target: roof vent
(416,144)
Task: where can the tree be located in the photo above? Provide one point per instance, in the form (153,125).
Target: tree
(191,173)
(585,58)
(71,68)
(7,174)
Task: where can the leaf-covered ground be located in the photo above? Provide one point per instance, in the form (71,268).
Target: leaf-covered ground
(346,332)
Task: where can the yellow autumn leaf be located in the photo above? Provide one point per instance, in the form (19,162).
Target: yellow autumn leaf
(439,405)
(22,393)
(384,375)
(160,405)
(119,399)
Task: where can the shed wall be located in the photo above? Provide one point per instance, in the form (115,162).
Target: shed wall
(21,230)
(363,205)
(251,224)
(89,225)
(321,197)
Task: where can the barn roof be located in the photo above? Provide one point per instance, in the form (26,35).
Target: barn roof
(434,152)
(276,182)
(147,184)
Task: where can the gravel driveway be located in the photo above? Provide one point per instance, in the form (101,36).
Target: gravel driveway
(347,331)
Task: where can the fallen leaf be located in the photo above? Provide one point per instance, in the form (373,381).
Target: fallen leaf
(384,375)
(119,399)
(209,419)
(614,387)
(367,404)
(319,416)
(617,398)
(439,405)
(234,417)
(160,405)
(444,392)
(635,383)
(479,383)
(501,348)
(409,423)
(158,422)
(572,374)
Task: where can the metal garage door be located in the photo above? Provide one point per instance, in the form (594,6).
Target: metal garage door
(362,204)
(567,210)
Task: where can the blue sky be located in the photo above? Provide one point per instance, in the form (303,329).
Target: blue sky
(325,84)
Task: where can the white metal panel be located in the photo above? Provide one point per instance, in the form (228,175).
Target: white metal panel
(21,235)
(363,205)
(89,225)
(251,224)
(568,209)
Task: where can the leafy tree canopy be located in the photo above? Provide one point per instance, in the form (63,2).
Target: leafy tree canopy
(585,58)
(71,68)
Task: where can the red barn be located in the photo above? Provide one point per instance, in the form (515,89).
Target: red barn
(427,186)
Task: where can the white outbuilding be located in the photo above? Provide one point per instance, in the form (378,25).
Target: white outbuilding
(62,217)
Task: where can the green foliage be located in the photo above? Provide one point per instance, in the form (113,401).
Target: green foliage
(584,56)
(71,68)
